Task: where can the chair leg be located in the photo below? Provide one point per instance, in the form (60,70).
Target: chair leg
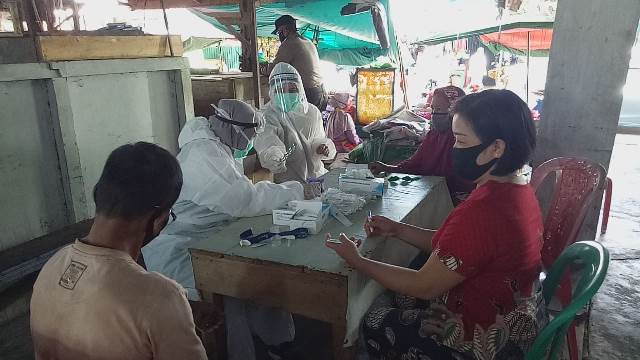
(564,295)
(572,341)
(607,206)
(586,350)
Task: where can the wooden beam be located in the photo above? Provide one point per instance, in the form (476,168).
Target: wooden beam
(170,4)
(250,51)
(238,35)
(27,258)
(40,245)
(61,48)
(225,17)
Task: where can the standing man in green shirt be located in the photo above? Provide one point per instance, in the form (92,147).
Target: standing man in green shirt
(302,55)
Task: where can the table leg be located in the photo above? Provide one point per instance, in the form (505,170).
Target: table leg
(338,332)
(214,338)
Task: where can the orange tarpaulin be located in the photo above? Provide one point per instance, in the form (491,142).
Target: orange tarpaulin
(539,39)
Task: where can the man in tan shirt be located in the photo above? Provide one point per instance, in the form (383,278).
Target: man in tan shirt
(91,299)
(302,54)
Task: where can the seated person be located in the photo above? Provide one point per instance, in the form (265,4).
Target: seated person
(292,126)
(433,157)
(340,127)
(478,294)
(215,191)
(91,299)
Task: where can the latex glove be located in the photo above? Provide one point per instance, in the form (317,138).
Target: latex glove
(272,157)
(312,190)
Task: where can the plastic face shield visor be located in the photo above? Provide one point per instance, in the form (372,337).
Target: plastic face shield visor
(285,83)
(257,123)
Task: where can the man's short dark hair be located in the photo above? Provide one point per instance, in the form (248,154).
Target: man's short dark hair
(137,179)
(501,114)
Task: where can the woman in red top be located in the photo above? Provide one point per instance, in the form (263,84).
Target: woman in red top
(433,157)
(477,296)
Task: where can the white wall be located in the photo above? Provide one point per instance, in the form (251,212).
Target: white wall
(60,121)
(139,107)
(32,200)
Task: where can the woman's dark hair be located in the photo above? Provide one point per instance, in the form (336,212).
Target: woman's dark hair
(501,114)
(137,179)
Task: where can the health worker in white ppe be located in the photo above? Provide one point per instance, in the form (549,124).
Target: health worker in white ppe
(216,191)
(294,142)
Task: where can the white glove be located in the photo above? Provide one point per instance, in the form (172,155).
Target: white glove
(271,160)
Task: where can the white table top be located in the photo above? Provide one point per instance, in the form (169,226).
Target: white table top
(397,203)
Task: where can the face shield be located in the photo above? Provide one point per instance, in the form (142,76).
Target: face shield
(230,124)
(286,90)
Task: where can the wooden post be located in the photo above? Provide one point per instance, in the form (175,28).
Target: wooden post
(588,65)
(76,16)
(250,47)
(528,62)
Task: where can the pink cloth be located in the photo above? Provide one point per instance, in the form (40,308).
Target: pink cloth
(342,130)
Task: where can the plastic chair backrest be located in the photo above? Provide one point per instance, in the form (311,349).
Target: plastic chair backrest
(576,184)
(593,260)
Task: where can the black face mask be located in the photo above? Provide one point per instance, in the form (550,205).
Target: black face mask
(281,36)
(149,233)
(464,162)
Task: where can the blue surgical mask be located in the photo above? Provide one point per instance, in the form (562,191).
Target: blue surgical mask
(241,154)
(286,101)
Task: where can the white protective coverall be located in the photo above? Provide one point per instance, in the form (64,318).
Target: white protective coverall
(214,192)
(289,124)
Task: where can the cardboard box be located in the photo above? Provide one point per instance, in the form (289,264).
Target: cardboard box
(301,218)
(374,186)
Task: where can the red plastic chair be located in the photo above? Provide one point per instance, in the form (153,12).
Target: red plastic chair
(577,182)
(606,208)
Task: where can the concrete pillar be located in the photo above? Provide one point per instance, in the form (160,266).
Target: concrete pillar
(588,66)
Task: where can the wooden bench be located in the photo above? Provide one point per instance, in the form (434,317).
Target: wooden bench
(25,259)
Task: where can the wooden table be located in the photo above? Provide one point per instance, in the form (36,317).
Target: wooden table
(307,278)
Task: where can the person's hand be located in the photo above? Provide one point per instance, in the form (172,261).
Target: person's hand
(380,226)
(273,160)
(377,167)
(277,166)
(323,150)
(346,249)
(312,190)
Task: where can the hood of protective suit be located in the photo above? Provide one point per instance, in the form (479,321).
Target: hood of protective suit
(286,90)
(230,134)
(195,129)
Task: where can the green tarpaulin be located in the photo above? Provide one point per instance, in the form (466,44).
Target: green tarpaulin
(344,40)
(229,54)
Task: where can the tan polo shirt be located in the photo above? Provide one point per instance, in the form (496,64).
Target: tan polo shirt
(302,55)
(96,303)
